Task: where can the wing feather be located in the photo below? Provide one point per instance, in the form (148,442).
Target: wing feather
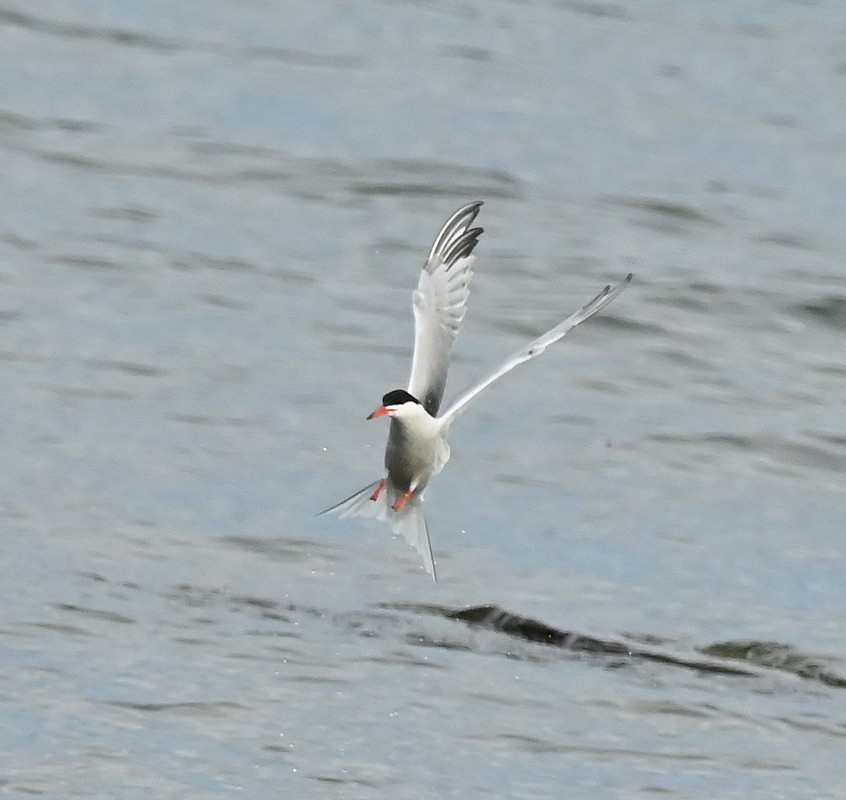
(536,347)
(440,302)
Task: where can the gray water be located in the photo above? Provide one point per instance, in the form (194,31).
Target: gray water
(213,217)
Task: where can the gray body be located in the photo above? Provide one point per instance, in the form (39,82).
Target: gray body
(406,457)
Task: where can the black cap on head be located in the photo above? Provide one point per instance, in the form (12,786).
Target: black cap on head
(397,397)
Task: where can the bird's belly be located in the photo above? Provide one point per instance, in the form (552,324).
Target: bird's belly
(409,462)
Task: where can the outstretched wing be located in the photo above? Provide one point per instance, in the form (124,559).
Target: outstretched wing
(536,347)
(440,302)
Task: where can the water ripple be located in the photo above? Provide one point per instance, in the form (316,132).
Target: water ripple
(169,45)
(719,658)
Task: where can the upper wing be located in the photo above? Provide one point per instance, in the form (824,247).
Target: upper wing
(536,347)
(440,301)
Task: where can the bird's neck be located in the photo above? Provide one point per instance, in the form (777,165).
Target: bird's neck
(416,424)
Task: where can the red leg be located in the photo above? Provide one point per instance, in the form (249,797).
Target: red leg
(379,489)
(403,500)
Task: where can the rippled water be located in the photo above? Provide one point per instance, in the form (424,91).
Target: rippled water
(213,219)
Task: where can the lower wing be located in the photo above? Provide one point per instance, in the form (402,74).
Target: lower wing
(536,347)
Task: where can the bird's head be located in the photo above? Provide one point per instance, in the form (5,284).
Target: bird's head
(398,403)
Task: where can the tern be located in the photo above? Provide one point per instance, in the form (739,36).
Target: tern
(417,447)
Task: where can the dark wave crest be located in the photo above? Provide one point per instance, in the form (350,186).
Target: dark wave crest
(736,658)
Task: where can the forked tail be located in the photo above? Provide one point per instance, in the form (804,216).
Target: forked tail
(360,504)
(409,521)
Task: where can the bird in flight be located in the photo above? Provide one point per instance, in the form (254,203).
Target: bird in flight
(417,447)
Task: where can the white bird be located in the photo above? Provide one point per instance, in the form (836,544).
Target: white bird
(417,447)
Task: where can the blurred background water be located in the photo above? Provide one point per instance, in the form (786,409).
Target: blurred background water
(213,218)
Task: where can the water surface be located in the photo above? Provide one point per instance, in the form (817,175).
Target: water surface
(214,217)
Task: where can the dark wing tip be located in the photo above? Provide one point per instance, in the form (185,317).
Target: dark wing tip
(456,238)
(627,280)
(463,247)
